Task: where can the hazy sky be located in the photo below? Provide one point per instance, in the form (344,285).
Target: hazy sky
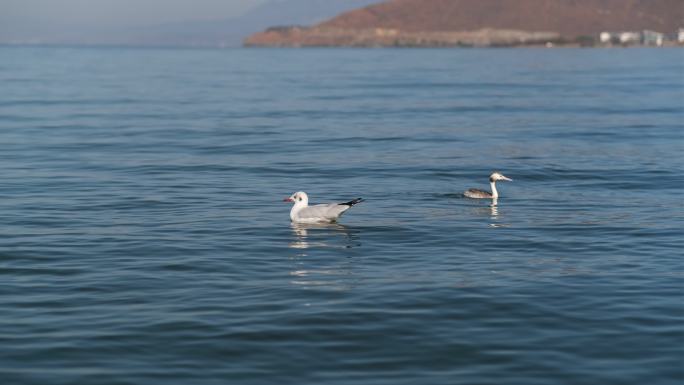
(117,12)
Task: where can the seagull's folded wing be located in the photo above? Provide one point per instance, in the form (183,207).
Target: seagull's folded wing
(322,212)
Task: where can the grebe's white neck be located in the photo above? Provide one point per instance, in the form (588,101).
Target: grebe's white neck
(495,194)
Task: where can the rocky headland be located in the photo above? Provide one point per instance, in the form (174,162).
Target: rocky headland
(446,23)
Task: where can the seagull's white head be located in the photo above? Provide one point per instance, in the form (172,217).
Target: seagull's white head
(497,176)
(298,198)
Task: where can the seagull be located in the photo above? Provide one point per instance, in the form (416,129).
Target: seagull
(481,194)
(326,213)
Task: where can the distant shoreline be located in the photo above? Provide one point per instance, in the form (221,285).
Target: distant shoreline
(233,47)
(299,37)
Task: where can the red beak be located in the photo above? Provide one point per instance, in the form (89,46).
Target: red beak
(288,199)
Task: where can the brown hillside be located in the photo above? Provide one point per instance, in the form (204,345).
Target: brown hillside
(570,18)
(479,23)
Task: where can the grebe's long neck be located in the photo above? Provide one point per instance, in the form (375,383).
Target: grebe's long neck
(495,194)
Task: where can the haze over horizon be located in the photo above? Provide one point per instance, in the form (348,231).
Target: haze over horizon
(145,22)
(120,13)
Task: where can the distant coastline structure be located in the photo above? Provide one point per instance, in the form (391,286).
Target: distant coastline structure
(652,38)
(643,38)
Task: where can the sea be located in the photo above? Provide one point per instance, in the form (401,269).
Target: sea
(144,238)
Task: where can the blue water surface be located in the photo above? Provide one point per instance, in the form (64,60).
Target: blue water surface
(144,238)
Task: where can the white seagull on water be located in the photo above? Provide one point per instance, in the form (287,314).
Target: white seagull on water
(303,213)
(481,194)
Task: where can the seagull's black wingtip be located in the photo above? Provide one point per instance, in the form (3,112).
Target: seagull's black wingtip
(353,202)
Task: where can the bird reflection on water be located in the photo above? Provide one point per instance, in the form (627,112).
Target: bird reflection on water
(309,271)
(491,211)
(494,215)
(330,234)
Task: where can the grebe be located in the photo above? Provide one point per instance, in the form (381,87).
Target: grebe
(481,194)
(303,213)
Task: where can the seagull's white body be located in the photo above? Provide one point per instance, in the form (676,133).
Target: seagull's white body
(481,194)
(326,213)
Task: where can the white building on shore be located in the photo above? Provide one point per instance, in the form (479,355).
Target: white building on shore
(652,38)
(630,37)
(606,38)
(645,37)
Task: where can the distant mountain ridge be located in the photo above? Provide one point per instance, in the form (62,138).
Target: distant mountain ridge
(479,22)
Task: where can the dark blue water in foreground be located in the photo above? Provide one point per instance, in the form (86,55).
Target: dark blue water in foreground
(144,239)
